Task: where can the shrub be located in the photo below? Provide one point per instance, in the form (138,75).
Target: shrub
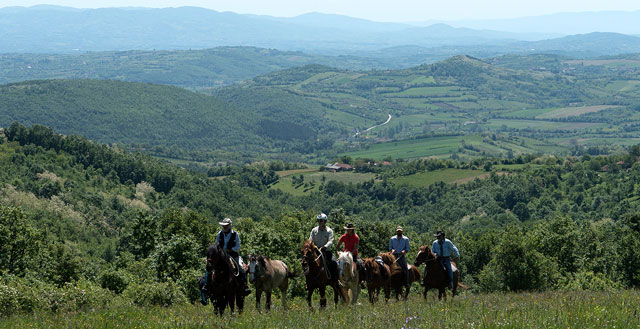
(155,293)
(188,282)
(588,280)
(116,281)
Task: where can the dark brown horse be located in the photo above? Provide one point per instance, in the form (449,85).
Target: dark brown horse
(435,275)
(316,274)
(397,279)
(223,284)
(375,280)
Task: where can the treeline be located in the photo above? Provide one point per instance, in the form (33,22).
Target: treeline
(75,235)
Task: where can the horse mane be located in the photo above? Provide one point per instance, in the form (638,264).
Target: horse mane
(387,257)
(308,244)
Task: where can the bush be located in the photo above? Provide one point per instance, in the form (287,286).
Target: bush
(588,280)
(79,296)
(188,282)
(116,281)
(8,300)
(163,294)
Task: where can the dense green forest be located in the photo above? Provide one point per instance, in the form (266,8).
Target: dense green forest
(84,225)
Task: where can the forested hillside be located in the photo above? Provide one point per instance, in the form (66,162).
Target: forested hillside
(161,120)
(462,107)
(192,69)
(94,226)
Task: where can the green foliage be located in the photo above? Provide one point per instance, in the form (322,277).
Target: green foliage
(116,281)
(176,254)
(161,294)
(18,241)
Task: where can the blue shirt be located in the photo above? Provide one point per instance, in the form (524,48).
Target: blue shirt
(445,249)
(227,236)
(399,245)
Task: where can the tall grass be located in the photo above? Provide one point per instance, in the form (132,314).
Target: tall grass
(578,309)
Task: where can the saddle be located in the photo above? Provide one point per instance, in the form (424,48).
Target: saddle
(383,270)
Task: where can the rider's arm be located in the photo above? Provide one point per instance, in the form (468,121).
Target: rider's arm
(217,240)
(311,235)
(355,247)
(406,246)
(329,240)
(236,248)
(391,245)
(455,250)
(340,243)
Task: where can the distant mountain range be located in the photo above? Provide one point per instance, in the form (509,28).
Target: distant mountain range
(52,29)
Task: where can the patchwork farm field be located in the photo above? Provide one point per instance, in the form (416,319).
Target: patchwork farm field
(289,182)
(415,148)
(616,309)
(446,175)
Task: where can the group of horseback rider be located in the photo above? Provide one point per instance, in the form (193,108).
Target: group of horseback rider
(322,237)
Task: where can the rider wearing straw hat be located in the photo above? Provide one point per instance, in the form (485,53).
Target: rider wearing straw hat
(229,240)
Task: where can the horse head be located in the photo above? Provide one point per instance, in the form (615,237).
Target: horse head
(424,255)
(308,255)
(388,258)
(345,259)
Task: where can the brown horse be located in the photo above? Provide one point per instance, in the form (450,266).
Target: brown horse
(435,275)
(223,284)
(397,279)
(375,280)
(316,275)
(267,275)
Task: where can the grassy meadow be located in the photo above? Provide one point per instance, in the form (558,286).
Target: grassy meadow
(579,309)
(449,175)
(313,178)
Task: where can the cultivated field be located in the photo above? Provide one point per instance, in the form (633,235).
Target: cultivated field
(446,175)
(313,178)
(579,309)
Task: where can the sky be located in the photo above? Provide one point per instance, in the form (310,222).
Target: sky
(377,10)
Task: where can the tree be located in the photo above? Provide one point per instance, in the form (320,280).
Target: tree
(18,241)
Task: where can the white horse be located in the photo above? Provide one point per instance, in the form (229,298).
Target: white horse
(349,276)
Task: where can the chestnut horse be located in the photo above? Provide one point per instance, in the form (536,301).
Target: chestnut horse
(316,275)
(375,280)
(223,284)
(397,279)
(435,275)
(267,275)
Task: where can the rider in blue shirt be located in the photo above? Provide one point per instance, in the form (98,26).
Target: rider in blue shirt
(444,248)
(399,246)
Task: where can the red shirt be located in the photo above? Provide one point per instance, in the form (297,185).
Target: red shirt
(349,242)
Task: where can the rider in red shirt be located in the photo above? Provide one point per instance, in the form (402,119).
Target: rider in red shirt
(350,240)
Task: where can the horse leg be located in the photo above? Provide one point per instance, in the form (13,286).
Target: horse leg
(268,300)
(323,299)
(258,296)
(356,292)
(240,302)
(232,302)
(283,291)
(387,292)
(309,294)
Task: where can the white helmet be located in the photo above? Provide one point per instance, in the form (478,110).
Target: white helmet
(322,216)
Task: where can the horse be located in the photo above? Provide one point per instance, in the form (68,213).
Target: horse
(223,284)
(396,280)
(375,280)
(435,275)
(316,274)
(349,276)
(267,275)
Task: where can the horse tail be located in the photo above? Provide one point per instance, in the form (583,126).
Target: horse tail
(292,275)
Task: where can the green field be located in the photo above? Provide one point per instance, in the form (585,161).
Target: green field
(313,178)
(416,148)
(541,125)
(578,309)
(446,175)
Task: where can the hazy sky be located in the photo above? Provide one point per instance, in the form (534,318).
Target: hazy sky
(379,10)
